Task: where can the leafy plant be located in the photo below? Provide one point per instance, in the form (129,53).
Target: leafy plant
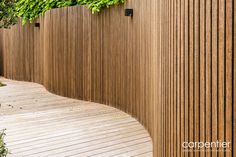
(3,149)
(97,5)
(1,84)
(7,13)
(29,10)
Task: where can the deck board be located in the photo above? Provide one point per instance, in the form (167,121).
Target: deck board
(41,124)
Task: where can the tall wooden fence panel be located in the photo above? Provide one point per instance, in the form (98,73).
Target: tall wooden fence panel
(171,66)
(1,52)
(23,51)
(197,76)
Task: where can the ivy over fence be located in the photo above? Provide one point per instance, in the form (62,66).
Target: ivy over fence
(29,10)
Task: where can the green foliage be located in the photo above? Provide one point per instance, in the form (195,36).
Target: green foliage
(3,149)
(31,9)
(97,5)
(1,84)
(7,13)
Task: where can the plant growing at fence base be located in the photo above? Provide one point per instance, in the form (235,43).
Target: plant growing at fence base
(1,84)
(3,148)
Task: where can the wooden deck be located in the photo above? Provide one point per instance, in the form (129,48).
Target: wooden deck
(41,124)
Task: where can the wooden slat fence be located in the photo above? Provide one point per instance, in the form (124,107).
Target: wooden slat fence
(171,66)
(197,76)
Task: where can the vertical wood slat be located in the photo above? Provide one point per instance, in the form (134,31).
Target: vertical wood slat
(191,74)
(186,69)
(1,52)
(182,73)
(172,145)
(202,78)
(214,73)
(234,77)
(196,73)
(175,78)
(221,81)
(208,76)
(178,79)
(228,74)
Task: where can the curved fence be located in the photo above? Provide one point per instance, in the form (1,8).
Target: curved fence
(172,66)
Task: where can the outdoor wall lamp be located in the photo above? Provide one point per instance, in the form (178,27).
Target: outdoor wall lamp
(37,24)
(129,12)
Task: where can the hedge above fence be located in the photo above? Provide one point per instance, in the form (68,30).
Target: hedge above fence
(29,10)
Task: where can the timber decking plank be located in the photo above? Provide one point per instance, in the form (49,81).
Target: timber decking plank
(39,123)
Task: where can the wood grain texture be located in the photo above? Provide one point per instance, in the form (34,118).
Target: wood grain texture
(203,69)
(172,66)
(39,123)
(1,52)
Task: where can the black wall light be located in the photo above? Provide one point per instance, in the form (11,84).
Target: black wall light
(129,12)
(37,24)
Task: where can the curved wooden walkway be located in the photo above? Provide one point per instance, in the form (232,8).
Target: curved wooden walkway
(41,124)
